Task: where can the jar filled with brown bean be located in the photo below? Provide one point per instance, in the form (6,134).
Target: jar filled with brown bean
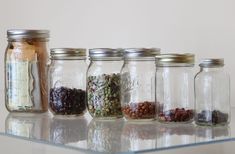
(138,89)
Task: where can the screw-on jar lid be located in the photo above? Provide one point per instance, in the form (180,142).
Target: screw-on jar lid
(98,53)
(212,62)
(165,59)
(63,53)
(26,33)
(141,52)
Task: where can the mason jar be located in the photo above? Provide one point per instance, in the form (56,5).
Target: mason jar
(103,83)
(25,70)
(175,87)
(138,84)
(67,81)
(212,93)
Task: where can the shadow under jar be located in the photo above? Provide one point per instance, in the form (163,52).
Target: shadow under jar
(25,71)
(212,94)
(103,83)
(175,87)
(67,81)
(138,84)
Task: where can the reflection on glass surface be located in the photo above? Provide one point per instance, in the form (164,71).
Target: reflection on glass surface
(212,133)
(139,136)
(33,126)
(105,136)
(68,130)
(175,134)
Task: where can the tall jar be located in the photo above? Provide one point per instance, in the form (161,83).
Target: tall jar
(67,81)
(103,83)
(138,84)
(25,71)
(212,93)
(175,87)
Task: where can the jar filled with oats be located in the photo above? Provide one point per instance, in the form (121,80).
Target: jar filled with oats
(25,71)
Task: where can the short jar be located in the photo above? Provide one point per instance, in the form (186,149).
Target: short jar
(175,87)
(67,81)
(103,83)
(26,57)
(212,93)
(138,84)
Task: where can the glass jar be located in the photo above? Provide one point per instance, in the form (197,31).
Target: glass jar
(175,87)
(212,93)
(67,81)
(25,71)
(138,84)
(103,83)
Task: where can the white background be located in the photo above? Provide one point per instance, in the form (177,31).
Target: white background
(203,27)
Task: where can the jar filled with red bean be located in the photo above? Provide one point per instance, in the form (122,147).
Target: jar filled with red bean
(175,87)
(67,81)
(138,84)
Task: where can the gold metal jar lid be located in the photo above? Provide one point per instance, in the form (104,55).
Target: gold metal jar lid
(27,33)
(167,59)
(130,53)
(210,62)
(64,53)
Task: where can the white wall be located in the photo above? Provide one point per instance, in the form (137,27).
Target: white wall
(205,27)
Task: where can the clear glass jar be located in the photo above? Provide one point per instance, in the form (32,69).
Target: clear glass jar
(212,93)
(103,83)
(138,84)
(67,81)
(175,87)
(25,71)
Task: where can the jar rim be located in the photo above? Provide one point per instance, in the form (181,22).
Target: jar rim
(132,53)
(68,53)
(27,33)
(212,62)
(175,58)
(102,53)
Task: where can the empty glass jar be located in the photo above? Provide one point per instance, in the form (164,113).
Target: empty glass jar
(25,71)
(175,87)
(103,83)
(67,81)
(138,84)
(212,93)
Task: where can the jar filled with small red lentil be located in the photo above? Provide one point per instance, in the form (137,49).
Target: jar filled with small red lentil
(175,87)
(138,84)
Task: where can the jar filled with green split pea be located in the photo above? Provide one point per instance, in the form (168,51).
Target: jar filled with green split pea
(103,83)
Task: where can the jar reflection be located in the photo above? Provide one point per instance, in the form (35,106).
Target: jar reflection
(32,126)
(139,136)
(172,135)
(68,130)
(105,136)
(212,133)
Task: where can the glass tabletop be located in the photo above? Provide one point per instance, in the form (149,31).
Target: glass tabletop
(119,136)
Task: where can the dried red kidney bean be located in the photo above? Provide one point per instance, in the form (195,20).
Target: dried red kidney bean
(176,115)
(67,101)
(141,110)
